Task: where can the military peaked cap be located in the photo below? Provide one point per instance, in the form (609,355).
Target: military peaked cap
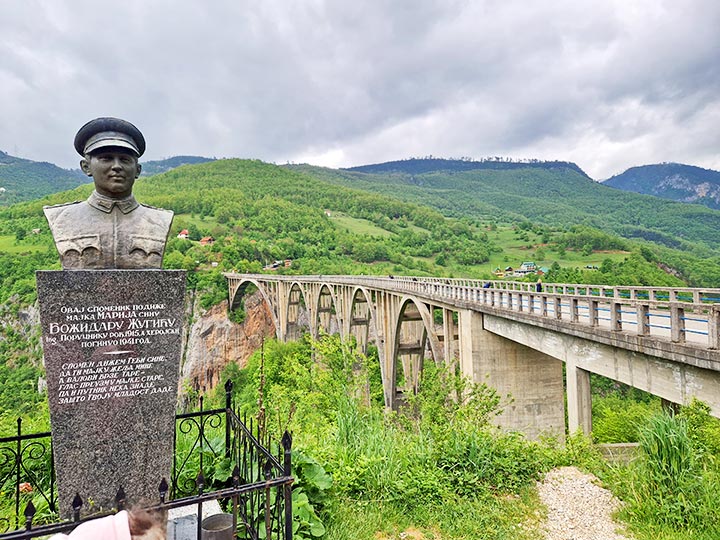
(108,131)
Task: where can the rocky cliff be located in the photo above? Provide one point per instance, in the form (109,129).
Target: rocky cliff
(675,181)
(213,341)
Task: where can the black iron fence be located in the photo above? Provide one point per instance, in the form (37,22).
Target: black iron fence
(218,456)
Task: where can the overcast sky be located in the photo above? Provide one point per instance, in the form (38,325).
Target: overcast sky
(607,84)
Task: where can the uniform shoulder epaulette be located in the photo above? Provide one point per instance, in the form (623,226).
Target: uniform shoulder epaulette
(155,208)
(61,204)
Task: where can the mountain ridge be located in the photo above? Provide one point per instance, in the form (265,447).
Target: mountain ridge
(23,179)
(674,181)
(559,197)
(430,164)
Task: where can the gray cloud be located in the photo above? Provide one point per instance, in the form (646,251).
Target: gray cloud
(607,84)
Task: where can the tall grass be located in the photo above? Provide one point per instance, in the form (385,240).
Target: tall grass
(675,483)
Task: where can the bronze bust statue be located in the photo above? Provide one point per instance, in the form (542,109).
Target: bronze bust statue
(110,229)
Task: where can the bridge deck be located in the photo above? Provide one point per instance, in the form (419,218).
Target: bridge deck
(689,316)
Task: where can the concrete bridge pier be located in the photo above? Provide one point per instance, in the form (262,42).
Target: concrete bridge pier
(579,398)
(532,379)
(449,338)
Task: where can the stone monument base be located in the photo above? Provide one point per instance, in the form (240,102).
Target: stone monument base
(112,342)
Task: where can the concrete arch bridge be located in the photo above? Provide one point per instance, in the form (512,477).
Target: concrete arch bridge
(512,336)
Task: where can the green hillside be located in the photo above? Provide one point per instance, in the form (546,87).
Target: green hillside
(684,236)
(559,196)
(24,180)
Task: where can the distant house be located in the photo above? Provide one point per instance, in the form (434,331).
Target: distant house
(288,263)
(498,273)
(36,231)
(328,213)
(526,268)
(275,265)
(207,240)
(183,234)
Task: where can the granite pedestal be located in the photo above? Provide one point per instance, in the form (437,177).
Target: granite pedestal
(112,342)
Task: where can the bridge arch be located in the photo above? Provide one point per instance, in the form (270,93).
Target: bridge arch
(414,332)
(362,318)
(239,293)
(296,316)
(326,312)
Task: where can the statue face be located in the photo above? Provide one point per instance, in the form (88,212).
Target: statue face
(114,171)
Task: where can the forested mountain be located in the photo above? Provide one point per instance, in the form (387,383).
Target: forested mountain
(160,166)
(24,180)
(674,181)
(258,213)
(557,197)
(430,164)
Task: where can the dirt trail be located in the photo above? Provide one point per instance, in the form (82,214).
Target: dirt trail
(578,508)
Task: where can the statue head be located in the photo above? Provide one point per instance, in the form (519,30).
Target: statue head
(110,148)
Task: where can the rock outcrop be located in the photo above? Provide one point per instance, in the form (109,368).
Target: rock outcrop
(214,341)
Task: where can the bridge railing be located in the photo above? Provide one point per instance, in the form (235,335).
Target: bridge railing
(682,315)
(679,314)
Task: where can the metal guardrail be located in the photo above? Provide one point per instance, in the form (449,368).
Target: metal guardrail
(257,493)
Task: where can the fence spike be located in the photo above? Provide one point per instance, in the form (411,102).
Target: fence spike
(163,488)
(120,499)
(228,385)
(286,440)
(29,515)
(236,477)
(77,504)
(267,469)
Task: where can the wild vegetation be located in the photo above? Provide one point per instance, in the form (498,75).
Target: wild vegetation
(439,469)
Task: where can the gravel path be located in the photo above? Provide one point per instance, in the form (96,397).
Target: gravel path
(578,509)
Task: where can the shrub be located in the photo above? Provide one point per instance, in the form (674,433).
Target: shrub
(618,420)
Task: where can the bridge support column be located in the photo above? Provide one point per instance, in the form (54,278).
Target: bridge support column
(579,399)
(449,331)
(532,378)
(282,311)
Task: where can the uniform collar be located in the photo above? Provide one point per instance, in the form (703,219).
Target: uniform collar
(105,204)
